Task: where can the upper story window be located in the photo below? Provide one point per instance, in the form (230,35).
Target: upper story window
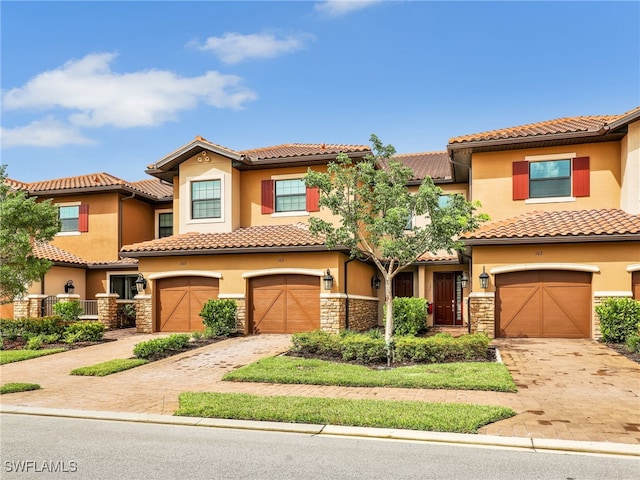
(69,218)
(165,224)
(291,196)
(74,218)
(206,199)
(551,178)
(288,196)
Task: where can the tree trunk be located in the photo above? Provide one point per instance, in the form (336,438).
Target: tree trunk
(388,324)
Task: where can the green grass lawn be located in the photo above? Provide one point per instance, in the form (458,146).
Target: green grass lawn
(109,367)
(18,387)
(10,356)
(457,376)
(439,417)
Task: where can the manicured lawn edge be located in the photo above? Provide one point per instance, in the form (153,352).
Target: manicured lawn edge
(110,366)
(454,376)
(437,417)
(18,387)
(10,356)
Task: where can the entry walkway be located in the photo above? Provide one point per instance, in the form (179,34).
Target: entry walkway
(568,389)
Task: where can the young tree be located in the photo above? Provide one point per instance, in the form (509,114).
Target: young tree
(374,207)
(22,222)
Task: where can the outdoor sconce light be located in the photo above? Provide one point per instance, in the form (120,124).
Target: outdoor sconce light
(484,279)
(464,280)
(375,281)
(69,287)
(141,283)
(328,280)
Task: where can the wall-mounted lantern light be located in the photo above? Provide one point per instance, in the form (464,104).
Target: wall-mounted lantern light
(484,279)
(464,280)
(141,283)
(327,280)
(375,281)
(69,287)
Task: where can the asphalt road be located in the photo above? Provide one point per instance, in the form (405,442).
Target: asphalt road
(37,447)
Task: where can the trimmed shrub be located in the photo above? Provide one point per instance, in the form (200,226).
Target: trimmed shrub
(442,348)
(409,316)
(363,348)
(84,332)
(619,319)
(68,311)
(12,329)
(633,343)
(159,347)
(219,317)
(316,342)
(34,343)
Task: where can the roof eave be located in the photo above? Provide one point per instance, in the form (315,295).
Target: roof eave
(174,159)
(451,147)
(224,251)
(552,240)
(92,189)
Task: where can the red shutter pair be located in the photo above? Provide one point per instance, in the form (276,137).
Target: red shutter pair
(313,197)
(580,178)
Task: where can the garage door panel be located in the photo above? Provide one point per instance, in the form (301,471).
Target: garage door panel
(180,301)
(285,304)
(559,308)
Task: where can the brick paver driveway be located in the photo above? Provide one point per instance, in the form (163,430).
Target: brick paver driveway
(568,389)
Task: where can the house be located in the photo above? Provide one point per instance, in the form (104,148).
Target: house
(564,198)
(212,222)
(98,213)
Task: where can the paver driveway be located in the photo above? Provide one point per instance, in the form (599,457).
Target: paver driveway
(568,389)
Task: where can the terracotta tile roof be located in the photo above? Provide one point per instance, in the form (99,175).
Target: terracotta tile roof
(549,127)
(15,184)
(289,150)
(295,235)
(560,224)
(439,256)
(81,181)
(122,262)
(55,254)
(154,187)
(433,164)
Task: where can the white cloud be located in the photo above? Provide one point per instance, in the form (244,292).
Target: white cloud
(339,8)
(234,47)
(42,133)
(97,96)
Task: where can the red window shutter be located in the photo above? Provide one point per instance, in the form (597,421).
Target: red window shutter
(267,196)
(83,218)
(581,182)
(313,197)
(520,180)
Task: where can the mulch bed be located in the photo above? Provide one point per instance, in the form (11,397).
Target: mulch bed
(622,350)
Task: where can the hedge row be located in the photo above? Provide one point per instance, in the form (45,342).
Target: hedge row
(161,347)
(39,331)
(370,348)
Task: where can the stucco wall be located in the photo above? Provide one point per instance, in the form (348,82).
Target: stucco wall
(630,194)
(138,221)
(57,277)
(492,179)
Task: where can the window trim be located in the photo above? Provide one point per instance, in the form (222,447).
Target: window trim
(190,181)
(268,197)
(275,197)
(70,233)
(123,273)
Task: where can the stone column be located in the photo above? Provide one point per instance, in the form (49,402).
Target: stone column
(144,313)
(108,309)
(482,312)
(241,315)
(332,312)
(35,305)
(21,308)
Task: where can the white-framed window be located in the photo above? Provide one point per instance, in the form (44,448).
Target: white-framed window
(550,178)
(69,218)
(206,199)
(290,195)
(124,284)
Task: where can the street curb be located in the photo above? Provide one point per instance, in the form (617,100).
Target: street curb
(528,443)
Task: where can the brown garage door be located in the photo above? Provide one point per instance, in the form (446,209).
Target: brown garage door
(180,301)
(635,285)
(551,304)
(285,304)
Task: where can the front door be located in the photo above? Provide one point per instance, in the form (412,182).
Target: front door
(444,306)
(403,284)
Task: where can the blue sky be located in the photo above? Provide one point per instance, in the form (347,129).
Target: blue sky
(114,86)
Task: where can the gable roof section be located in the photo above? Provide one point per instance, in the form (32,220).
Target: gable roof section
(295,237)
(151,189)
(433,164)
(559,226)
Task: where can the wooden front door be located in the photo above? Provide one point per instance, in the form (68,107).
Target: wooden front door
(403,284)
(444,305)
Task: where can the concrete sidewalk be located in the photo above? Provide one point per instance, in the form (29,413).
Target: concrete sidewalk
(575,390)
